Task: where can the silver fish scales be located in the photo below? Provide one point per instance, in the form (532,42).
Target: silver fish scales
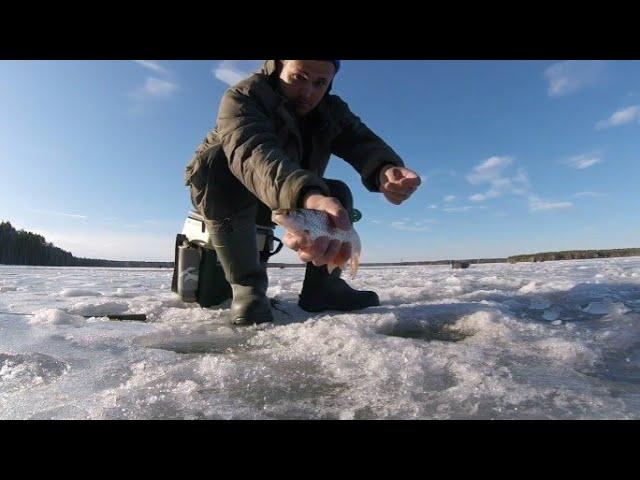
(313,224)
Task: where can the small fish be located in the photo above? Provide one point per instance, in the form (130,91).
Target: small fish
(312,224)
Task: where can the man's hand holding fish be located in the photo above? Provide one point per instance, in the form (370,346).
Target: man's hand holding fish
(326,247)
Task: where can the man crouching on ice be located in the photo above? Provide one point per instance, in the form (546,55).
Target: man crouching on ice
(274,135)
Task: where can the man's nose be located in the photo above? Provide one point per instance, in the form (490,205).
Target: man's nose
(305,92)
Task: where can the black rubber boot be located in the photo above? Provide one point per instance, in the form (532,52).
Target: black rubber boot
(237,251)
(324,291)
(213,288)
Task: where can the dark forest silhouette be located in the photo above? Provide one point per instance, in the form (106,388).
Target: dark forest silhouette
(19,247)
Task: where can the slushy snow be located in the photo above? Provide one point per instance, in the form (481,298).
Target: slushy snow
(496,341)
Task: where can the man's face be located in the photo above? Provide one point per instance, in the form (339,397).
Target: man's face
(304,82)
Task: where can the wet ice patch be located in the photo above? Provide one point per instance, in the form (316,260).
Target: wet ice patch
(216,341)
(565,351)
(606,308)
(20,371)
(500,282)
(76,292)
(551,315)
(539,304)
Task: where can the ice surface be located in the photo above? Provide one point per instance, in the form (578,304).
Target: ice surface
(604,308)
(529,340)
(74,292)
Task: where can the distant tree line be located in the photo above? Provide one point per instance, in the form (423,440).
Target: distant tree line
(18,247)
(575,255)
(405,264)
(27,248)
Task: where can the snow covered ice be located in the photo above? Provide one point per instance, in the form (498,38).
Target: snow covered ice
(531,340)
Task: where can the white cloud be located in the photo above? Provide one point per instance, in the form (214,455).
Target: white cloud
(478,197)
(538,205)
(572,76)
(466,208)
(522,179)
(410,226)
(491,171)
(432,207)
(61,214)
(151,65)
(621,117)
(588,194)
(581,162)
(155,87)
(415,227)
(233,71)
(449,198)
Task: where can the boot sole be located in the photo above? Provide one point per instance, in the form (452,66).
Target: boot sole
(311,309)
(243,322)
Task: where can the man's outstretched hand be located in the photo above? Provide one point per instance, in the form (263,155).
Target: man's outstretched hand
(398,183)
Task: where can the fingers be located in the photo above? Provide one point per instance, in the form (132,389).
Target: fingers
(393,174)
(319,247)
(322,251)
(295,241)
(345,251)
(410,182)
(315,251)
(401,181)
(393,187)
(396,198)
(333,247)
(304,256)
(332,207)
(338,213)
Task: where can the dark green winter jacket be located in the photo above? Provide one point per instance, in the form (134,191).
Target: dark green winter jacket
(257,137)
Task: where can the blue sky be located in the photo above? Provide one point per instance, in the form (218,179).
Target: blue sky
(515,156)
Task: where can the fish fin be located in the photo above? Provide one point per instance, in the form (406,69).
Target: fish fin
(354,263)
(356,250)
(339,261)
